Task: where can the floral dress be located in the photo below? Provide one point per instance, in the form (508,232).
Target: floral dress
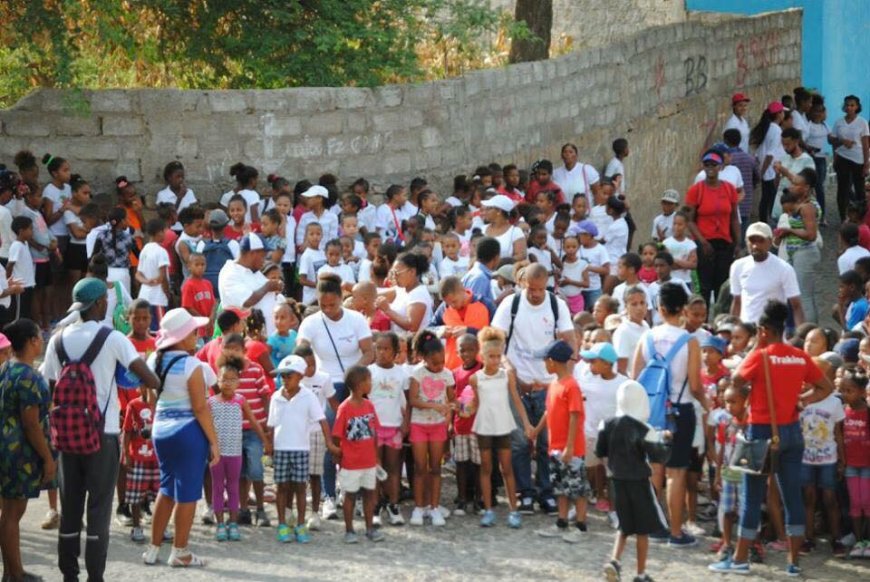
(20,466)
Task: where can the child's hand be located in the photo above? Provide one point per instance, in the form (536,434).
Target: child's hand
(567,455)
(267,449)
(214,455)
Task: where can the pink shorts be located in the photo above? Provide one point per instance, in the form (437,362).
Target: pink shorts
(390,436)
(428,433)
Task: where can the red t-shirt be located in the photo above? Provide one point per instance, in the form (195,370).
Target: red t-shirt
(713,208)
(198,294)
(856,436)
(169,239)
(380,322)
(462,425)
(231,233)
(210,352)
(563,398)
(356,426)
(648,275)
(535,188)
(125,396)
(789,369)
(254,350)
(139,414)
(254,388)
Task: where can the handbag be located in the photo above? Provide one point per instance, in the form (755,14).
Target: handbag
(759,456)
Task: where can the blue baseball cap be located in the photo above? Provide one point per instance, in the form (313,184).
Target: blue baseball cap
(557,350)
(252,242)
(601,351)
(717,343)
(86,292)
(848,350)
(587,227)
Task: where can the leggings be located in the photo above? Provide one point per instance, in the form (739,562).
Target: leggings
(850,183)
(822,173)
(859,496)
(225,477)
(768,196)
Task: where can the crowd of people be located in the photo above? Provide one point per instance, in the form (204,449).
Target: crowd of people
(523,331)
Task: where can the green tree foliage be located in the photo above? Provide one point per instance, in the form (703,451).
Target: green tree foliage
(223,44)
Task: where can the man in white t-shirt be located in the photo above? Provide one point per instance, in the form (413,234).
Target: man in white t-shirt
(762,276)
(242,284)
(530,324)
(738,121)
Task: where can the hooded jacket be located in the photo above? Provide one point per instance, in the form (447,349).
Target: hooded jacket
(627,441)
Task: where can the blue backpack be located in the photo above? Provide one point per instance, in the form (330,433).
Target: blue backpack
(656,379)
(217,253)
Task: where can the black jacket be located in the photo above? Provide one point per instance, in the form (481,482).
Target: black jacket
(623,442)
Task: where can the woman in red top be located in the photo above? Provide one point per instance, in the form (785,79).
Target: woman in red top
(789,370)
(714,224)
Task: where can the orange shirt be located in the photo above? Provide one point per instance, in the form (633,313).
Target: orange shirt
(136,224)
(474,314)
(563,398)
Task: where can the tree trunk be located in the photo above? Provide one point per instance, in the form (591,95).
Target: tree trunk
(538,16)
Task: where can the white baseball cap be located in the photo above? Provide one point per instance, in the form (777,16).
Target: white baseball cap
(291,363)
(499,201)
(316,190)
(759,229)
(252,242)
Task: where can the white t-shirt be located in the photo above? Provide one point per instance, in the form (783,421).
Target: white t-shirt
(817,138)
(368,218)
(365,271)
(597,257)
(328,224)
(619,294)
(290,235)
(741,125)
(730,174)
(846,261)
(5,301)
(507,239)
(681,250)
(342,270)
(347,333)
(854,131)
(404,299)
(625,339)
(292,418)
(771,146)
(574,271)
(756,283)
(57,197)
(616,167)
(793,165)
(71,218)
(236,284)
(451,268)
(91,239)
(152,258)
(6,234)
(167,196)
(663,223)
(578,179)
(818,423)
(19,253)
(320,384)
(533,329)
(599,217)
(388,394)
(251,198)
(77,337)
(388,221)
(545,259)
(309,265)
(600,398)
(664,337)
(616,242)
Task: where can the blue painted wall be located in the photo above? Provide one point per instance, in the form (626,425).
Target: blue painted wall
(836,42)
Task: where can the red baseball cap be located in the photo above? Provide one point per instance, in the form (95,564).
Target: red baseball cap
(739,98)
(242,313)
(775,107)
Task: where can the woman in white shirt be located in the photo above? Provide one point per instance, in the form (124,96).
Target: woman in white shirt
(511,238)
(615,238)
(246,182)
(766,138)
(176,192)
(408,304)
(818,138)
(575,177)
(851,140)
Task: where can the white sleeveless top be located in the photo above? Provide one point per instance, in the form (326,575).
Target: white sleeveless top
(494,416)
(506,241)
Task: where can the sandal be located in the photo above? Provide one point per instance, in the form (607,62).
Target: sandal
(176,561)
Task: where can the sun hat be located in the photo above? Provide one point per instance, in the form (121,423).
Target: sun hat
(176,325)
(717,343)
(85,294)
(601,351)
(499,201)
(4,342)
(217,218)
(316,190)
(291,363)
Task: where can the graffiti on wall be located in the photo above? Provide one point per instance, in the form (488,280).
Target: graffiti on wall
(756,54)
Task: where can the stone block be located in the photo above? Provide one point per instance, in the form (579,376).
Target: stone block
(306,148)
(354,98)
(72,125)
(388,96)
(227,101)
(431,137)
(91,148)
(356,122)
(163,104)
(398,163)
(314,99)
(272,100)
(122,125)
(396,120)
(280,125)
(111,101)
(25,124)
(324,123)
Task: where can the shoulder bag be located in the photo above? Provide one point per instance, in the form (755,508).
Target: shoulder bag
(759,456)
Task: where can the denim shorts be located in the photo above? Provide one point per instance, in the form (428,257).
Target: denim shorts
(857,472)
(252,456)
(821,476)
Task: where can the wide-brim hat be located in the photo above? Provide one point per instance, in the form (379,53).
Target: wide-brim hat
(176,325)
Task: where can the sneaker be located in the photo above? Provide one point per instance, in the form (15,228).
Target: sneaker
(526,506)
(777,546)
(838,550)
(807,547)
(515,520)
(612,571)
(314,522)
(437,517)
(793,570)
(302,535)
(614,519)
(488,519)
(350,537)
(449,466)
(395,514)
(459,509)
(137,535)
(549,506)
(149,556)
(221,533)
(245,517)
(644,578)
(207,516)
(725,552)
(376,519)
(417,516)
(284,533)
(858,550)
(233,532)
(263,519)
(445,513)
(328,511)
(602,505)
(727,566)
(694,529)
(756,552)
(123,516)
(848,540)
(684,540)
(375,535)
(52,520)
(554,531)
(573,536)
(660,537)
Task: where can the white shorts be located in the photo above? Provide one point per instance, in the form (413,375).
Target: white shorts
(352,480)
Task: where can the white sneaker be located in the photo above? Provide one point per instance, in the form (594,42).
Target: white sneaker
(437,518)
(572,515)
(314,522)
(575,536)
(614,519)
(376,520)
(149,556)
(445,513)
(207,516)
(417,516)
(694,529)
(328,511)
(395,515)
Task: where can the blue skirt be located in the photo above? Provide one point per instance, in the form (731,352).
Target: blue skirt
(183,456)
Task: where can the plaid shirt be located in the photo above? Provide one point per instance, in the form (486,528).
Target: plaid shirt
(748,167)
(116,247)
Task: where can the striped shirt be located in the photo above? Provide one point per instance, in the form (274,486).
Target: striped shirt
(254,388)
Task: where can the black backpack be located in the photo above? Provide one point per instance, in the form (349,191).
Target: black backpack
(515,306)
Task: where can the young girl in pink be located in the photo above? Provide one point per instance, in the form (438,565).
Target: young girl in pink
(431,398)
(228,409)
(852,384)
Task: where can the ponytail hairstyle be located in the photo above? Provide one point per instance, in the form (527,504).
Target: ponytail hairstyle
(231,362)
(256,322)
(492,338)
(171,168)
(99,267)
(300,187)
(52,163)
(756,136)
(26,161)
(546,165)
(456,212)
(116,216)
(277,182)
(243,174)
(76,182)
(419,263)
(773,317)
(426,343)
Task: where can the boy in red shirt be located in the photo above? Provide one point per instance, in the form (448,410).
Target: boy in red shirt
(465,449)
(197,295)
(564,418)
(356,425)
(137,456)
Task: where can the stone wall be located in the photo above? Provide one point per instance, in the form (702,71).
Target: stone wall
(666,89)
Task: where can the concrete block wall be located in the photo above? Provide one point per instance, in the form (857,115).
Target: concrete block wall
(666,89)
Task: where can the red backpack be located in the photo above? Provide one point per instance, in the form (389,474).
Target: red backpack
(76,420)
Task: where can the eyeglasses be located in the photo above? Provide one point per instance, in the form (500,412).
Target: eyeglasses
(402,272)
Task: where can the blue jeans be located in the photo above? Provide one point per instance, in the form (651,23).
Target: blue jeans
(521,458)
(788,479)
(590,297)
(328,478)
(822,173)
(252,456)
